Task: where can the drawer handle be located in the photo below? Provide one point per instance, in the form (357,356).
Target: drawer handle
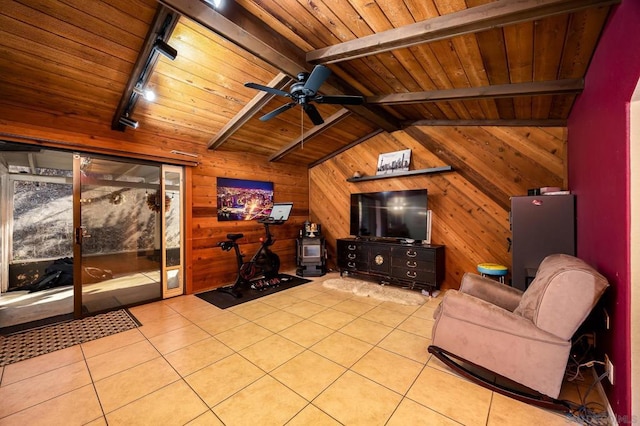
(351,256)
(412,253)
(351,264)
(411,274)
(350,247)
(412,264)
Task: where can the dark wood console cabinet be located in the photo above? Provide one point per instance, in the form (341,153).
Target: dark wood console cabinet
(408,265)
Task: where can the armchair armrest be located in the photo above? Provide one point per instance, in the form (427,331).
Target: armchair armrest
(486,315)
(491,291)
(500,341)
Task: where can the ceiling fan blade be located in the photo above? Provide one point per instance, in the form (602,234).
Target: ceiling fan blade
(267,89)
(340,100)
(313,114)
(277,111)
(319,74)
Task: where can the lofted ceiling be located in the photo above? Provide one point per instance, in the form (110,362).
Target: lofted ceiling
(425,62)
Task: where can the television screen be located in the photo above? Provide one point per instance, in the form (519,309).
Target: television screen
(390,214)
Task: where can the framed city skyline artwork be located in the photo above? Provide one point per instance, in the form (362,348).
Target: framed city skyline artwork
(239,199)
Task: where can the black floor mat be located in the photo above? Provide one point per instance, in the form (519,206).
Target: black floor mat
(224,300)
(31,343)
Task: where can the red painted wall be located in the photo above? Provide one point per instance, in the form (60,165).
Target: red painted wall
(598,164)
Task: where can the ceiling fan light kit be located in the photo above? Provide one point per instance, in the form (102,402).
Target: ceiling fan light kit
(305,91)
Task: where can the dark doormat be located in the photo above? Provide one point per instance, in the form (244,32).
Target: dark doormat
(31,343)
(224,300)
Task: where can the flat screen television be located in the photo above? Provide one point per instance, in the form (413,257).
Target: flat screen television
(390,214)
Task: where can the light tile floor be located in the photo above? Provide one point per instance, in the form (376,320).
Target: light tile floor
(303,356)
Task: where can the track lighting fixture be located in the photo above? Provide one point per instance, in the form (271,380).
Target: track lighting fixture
(155,45)
(147,94)
(164,48)
(128,122)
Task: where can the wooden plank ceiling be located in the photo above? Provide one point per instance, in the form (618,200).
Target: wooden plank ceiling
(451,62)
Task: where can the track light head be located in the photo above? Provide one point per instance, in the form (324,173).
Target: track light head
(164,48)
(147,94)
(128,122)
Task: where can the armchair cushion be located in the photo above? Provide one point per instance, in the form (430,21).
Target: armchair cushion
(526,336)
(563,293)
(501,342)
(490,290)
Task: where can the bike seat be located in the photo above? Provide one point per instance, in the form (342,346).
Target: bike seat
(234,237)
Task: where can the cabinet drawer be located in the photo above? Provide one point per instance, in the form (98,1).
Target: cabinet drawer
(347,259)
(413,253)
(410,264)
(349,247)
(353,265)
(414,275)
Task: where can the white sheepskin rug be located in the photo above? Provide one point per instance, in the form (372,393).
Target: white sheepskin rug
(376,291)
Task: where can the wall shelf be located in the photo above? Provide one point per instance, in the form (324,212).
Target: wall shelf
(402,174)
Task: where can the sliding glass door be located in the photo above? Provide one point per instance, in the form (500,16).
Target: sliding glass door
(173,226)
(118,240)
(81,234)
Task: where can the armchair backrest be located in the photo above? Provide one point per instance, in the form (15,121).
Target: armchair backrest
(562,295)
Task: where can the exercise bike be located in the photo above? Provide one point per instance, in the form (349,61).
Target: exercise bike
(264,263)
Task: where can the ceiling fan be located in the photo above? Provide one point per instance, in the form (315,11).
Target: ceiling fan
(304,91)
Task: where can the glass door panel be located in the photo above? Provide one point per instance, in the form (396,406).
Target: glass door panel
(118,234)
(173,231)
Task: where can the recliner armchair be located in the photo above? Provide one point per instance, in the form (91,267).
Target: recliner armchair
(523,336)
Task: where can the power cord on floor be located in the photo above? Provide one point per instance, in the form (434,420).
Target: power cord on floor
(591,413)
(588,413)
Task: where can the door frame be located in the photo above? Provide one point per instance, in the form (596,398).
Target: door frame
(166,269)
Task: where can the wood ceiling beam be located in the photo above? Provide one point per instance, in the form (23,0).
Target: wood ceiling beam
(509,123)
(145,62)
(238,26)
(248,111)
(534,88)
(314,131)
(475,19)
(244,30)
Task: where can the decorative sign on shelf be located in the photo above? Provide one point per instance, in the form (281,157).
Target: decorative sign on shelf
(393,162)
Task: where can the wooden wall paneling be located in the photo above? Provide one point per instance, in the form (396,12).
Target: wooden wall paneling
(448,148)
(548,164)
(208,268)
(467,214)
(520,171)
(471,223)
(488,161)
(468,218)
(214,267)
(85,135)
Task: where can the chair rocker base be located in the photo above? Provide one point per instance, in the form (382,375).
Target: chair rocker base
(530,396)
